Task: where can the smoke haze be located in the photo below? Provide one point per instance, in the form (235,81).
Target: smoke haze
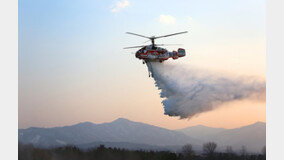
(187,92)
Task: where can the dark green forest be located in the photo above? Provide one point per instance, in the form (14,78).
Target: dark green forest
(29,152)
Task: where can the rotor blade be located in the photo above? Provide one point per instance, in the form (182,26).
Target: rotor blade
(134,47)
(171,34)
(137,35)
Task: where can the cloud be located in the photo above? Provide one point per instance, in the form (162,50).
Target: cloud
(167,19)
(120,5)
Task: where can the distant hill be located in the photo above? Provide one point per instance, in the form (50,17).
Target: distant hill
(120,130)
(123,133)
(201,132)
(252,136)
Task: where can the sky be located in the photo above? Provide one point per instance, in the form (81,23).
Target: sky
(72,66)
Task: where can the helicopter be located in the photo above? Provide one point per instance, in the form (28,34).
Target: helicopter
(153,53)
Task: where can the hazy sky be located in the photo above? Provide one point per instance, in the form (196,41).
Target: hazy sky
(72,67)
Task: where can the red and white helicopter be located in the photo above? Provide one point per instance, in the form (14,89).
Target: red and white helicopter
(153,53)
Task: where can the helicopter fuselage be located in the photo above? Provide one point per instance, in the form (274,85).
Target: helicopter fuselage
(149,53)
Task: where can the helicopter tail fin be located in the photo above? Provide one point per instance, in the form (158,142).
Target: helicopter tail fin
(181,52)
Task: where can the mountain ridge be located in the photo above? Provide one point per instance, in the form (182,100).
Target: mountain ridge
(123,131)
(120,130)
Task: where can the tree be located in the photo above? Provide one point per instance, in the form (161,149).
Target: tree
(229,150)
(188,152)
(209,149)
(230,153)
(244,152)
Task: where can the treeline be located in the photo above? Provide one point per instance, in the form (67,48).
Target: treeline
(29,152)
(209,153)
